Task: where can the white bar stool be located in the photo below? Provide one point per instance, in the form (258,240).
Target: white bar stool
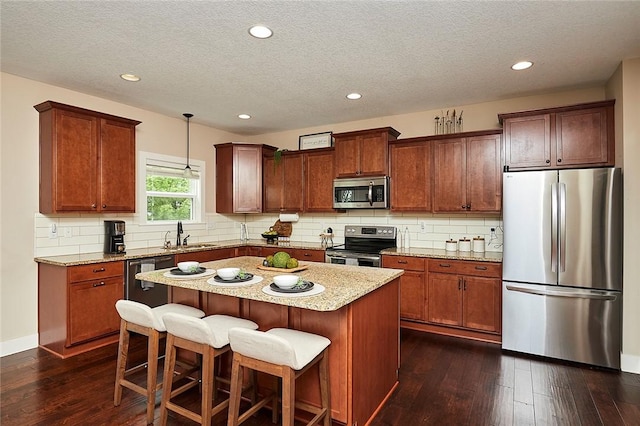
(208,337)
(286,354)
(140,318)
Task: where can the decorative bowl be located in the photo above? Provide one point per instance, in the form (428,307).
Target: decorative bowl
(271,238)
(188,266)
(228,273)
(286,281)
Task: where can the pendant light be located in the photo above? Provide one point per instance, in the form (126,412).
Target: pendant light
(188,173)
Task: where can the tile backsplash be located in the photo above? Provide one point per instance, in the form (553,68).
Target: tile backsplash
(85,233)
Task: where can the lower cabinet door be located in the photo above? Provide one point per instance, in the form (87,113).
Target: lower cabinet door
(412,295)
(444,299)
(482,304)
(92,310)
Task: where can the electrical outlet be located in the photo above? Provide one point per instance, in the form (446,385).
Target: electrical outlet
(423,227)
(53,231)
(68,232)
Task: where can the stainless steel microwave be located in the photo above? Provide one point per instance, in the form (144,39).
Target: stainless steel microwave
(361,193)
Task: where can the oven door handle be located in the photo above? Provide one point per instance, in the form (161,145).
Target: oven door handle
(370,193)
(366,257)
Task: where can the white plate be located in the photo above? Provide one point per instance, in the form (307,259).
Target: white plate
(255,280)
(317,289)
(206,273)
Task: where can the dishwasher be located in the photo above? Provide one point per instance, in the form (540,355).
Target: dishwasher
(151,294)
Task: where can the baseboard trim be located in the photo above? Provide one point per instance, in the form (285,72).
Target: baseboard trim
(18,345)
(630,363)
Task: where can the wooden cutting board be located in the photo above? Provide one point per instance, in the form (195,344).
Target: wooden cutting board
(271,268)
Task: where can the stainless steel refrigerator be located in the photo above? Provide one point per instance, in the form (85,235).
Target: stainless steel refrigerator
(562,264)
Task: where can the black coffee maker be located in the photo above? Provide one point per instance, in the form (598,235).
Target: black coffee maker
(114,237)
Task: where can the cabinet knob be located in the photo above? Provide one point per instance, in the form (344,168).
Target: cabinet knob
(104,206)
(404,262)
(468,206)
(95,271)
(463,207)
(548,161)
(100,284)
(559,160)
(94,205)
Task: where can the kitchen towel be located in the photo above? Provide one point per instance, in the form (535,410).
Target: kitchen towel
(147,267)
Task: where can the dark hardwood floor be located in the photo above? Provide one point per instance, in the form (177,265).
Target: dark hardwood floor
(443,381)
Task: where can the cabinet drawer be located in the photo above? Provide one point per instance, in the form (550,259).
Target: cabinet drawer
(95,271)
(407,263)
(464,267)
(309,255)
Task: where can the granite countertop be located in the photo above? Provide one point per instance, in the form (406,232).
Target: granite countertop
(98,257)
(487,256)
(343,284)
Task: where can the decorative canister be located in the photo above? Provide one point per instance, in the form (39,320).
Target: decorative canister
(478,244)
(451,245)
(464,245)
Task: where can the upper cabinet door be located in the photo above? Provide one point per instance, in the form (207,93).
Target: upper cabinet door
(247,179)
(318,180)
(117,166)
(374,158)
(528,142)
(484,173)
(347,156)
(449,178)
(582,137)
(410,171)
(75,163)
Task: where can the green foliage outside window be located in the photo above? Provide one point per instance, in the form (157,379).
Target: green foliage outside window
(164,200)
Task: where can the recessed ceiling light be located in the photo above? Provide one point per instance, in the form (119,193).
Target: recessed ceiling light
(244,116)
(522,65)
(129,77)
(260,31)
(354,96)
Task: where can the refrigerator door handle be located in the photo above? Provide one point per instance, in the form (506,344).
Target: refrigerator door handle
(554,227)
(562,218)
(575,294)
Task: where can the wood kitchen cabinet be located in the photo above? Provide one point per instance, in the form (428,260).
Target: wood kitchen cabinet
(239,177)
(413,291)
(308,255)
(566,137)
(206,255)
(87,160)
(76,306)
(410,172)
(283,182)
(318,179)
(363,153)
(467,175)
(465,294)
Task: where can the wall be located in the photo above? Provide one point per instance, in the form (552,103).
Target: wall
(22,228)
(625,87)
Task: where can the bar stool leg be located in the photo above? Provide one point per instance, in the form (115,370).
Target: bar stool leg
(325,389)
(123,351)
(208,383)
(169,366)
(152,373)
(288,396)
(235,392)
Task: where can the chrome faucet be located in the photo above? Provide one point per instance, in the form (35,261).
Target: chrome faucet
(167,243)
(179,232)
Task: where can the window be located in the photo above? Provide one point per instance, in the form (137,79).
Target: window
(168,195)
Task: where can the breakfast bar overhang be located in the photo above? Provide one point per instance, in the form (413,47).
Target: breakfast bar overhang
(358,311)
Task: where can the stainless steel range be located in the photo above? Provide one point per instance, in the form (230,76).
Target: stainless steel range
(362,245)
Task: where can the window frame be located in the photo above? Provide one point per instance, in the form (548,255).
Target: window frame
(198,167)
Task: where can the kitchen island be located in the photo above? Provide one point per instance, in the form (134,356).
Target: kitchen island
(358,311)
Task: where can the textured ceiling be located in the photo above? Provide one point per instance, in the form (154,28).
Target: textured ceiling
(403,56)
